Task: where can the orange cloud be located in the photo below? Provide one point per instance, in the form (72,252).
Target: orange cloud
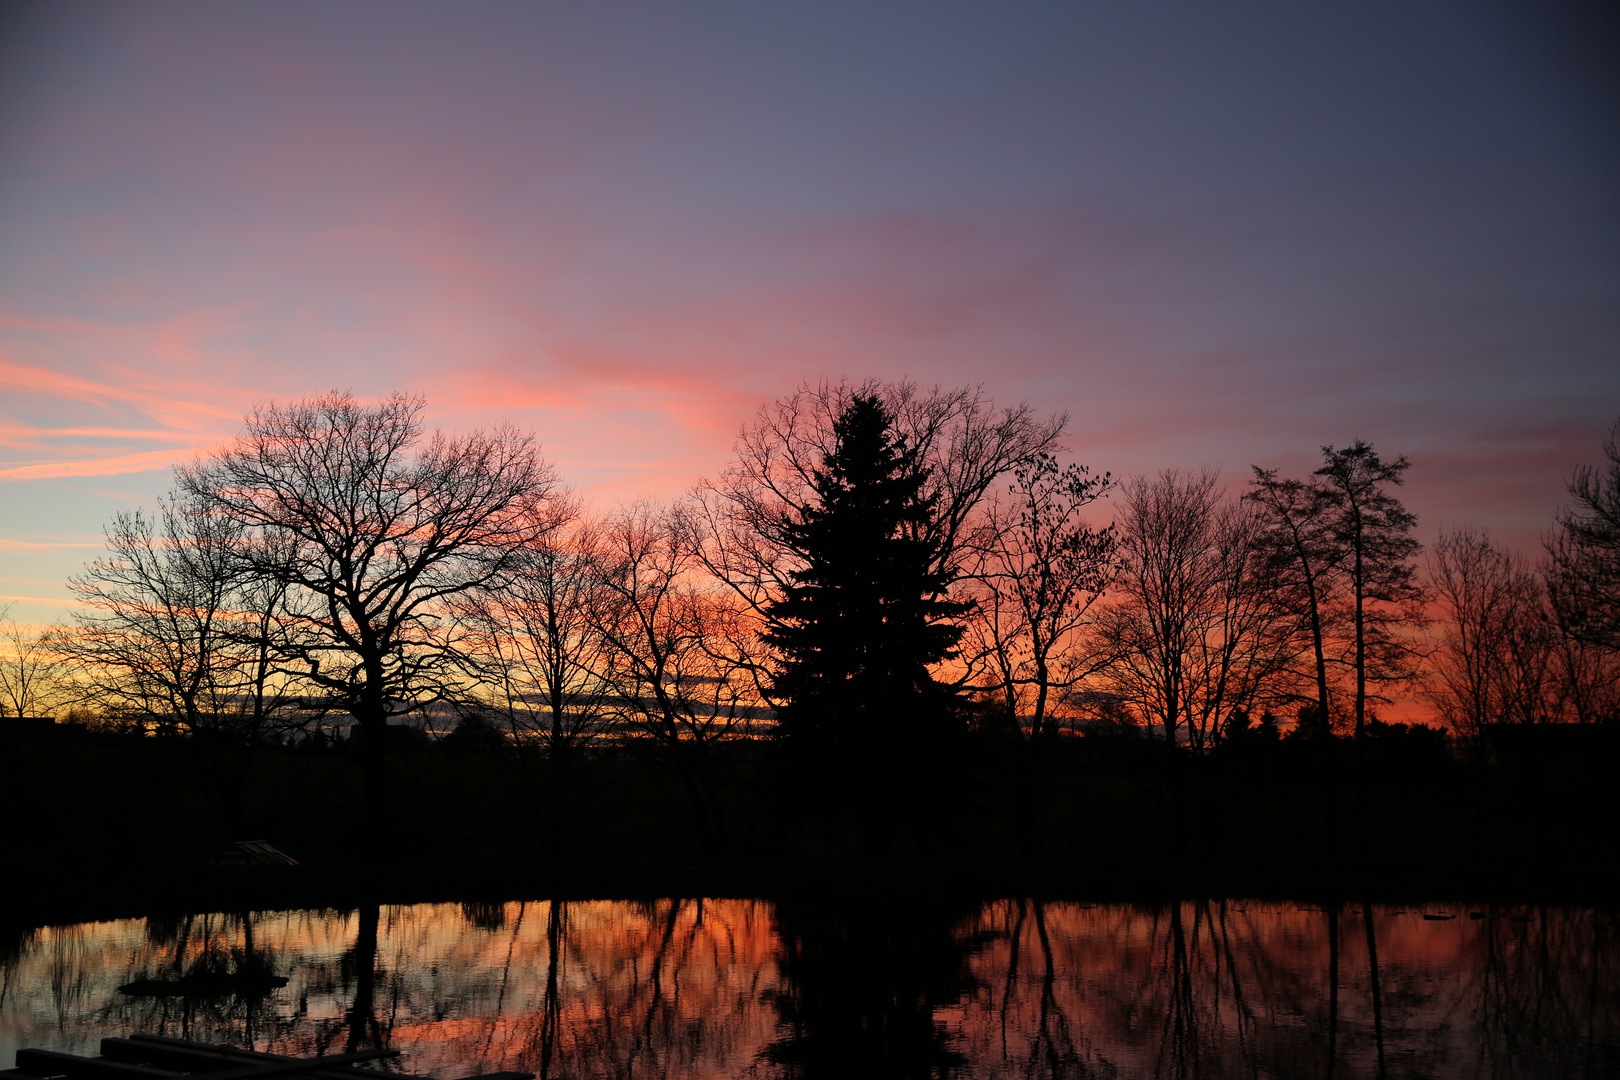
(110,466)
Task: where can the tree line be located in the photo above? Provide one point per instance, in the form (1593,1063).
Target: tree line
(881,571)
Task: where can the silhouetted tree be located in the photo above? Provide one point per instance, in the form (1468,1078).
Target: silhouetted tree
(1497,660)
(155,617)
(1584,553)
(670,652)
(171,635)
(1040,567)
(1582,572)
(865,617)
(372,524)
(544,660)
(31,668)
(1196,635)
(1038,570)
(958,444)
(1588,678)
(1374,532)
(1304,559)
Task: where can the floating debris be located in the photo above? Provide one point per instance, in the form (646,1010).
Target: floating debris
(240,973)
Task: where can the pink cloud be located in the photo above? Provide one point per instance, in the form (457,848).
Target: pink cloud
(24,547)
(109,466)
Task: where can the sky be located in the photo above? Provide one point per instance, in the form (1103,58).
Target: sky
(1215,235)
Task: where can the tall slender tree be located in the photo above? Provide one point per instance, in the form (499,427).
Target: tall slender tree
(1304,559)
(1040,568)
(1373,532)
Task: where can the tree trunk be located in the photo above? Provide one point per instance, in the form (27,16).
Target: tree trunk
(363,1013)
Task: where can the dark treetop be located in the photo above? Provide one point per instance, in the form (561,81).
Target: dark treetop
(866,615)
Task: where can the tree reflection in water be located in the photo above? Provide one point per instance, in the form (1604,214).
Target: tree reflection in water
(705,988)
(1215,990)
(864,985)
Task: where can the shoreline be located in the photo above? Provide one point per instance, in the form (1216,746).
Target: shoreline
(352,887)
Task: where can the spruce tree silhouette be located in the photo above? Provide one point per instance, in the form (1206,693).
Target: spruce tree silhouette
(867,614)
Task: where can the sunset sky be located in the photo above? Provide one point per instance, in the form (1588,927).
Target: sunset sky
(1215,234)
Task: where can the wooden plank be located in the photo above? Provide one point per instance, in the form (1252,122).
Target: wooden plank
(289,1066)
(47,1063)
(213,1048)
(251,1064)
(176,1058)
(161,1057)
(373,1074)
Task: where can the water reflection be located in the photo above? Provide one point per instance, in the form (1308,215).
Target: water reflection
(712,988)
(864,986)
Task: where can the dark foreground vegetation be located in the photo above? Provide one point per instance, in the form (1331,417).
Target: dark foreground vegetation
(106,824)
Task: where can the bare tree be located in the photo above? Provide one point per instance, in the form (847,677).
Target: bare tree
(1587,676)
(1196,635)
(372,524)
(1584,553)
(31,669)
(670,652)
(545,659)
(1039,568)
(156,631)
(171,637)
(1498,651)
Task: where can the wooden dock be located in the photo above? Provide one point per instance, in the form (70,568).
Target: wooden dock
(158,1057)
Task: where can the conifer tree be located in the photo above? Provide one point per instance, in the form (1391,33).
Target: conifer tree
(866,614)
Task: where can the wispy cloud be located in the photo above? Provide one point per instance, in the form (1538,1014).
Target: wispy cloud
(108,466)
(25,547)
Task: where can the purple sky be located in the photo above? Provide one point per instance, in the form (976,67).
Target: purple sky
(1215,234)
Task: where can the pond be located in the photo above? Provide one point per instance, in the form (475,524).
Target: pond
(806,988)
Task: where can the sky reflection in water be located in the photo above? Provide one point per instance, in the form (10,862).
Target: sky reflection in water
(722,988)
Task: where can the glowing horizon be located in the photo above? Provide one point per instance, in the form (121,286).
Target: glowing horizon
(1213,241)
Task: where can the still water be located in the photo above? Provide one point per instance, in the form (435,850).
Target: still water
(751,988)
